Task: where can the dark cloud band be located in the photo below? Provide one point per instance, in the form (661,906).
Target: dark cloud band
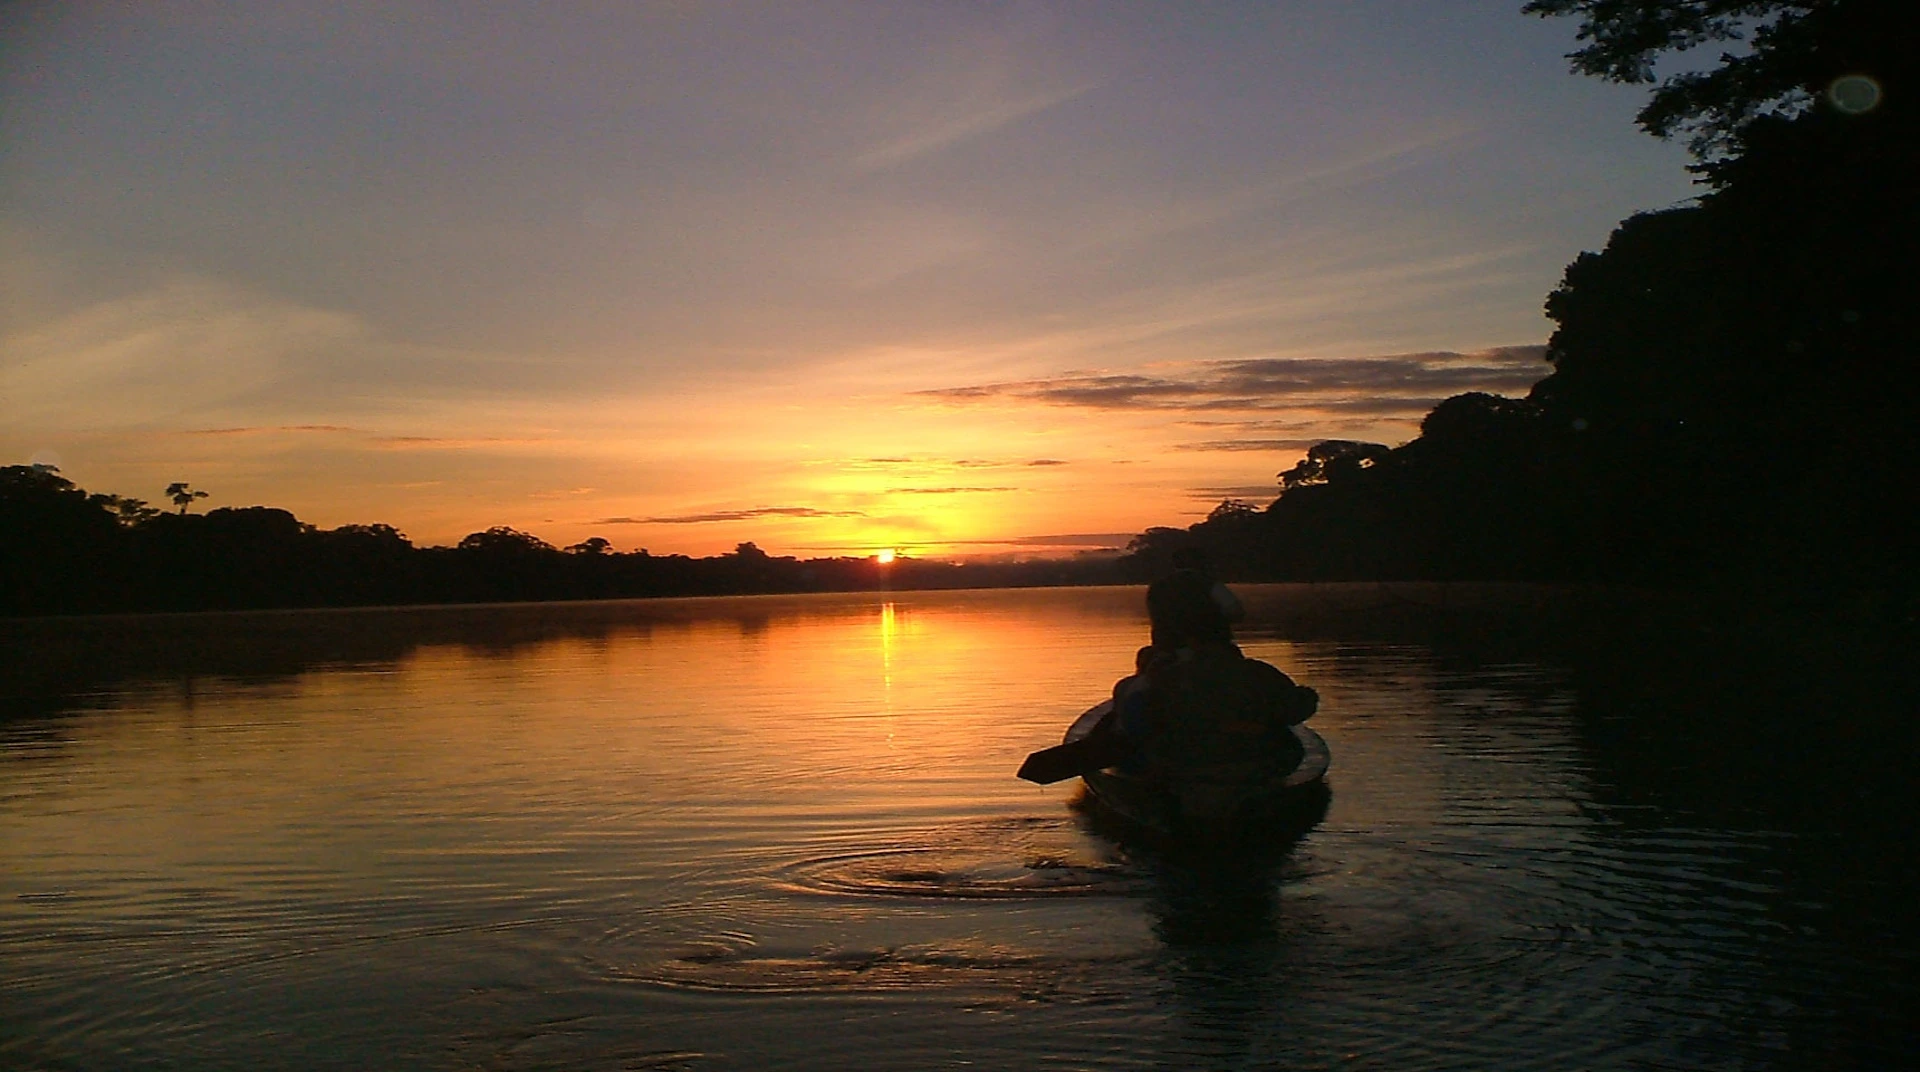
(730,515)
(1393,383)
(942,491)
(1248,444)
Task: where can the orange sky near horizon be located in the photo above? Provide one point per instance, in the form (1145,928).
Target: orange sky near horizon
(946,279)
(977,470)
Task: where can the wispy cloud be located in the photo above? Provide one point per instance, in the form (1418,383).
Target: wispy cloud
(1392,383)
(1314,292)
(1072,540)
(1235,491)
(942,491)
(928,464)
(1248,444)
(266,429)
(976,115)
(730,515)
(1083,539)
(201,356)
(419,442)
(1268,197)
(192,348)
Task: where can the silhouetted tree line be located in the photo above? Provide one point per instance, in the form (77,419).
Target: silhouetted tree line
(63,550)
(1735,384)
(1733,396)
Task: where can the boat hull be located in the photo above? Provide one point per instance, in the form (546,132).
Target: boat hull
(1200,804)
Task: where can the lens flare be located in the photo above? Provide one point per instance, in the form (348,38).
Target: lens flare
(1854,94)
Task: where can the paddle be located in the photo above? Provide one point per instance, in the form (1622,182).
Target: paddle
(1093,752)
(1102,748)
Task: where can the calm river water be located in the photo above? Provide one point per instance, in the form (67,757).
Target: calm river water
(784,832)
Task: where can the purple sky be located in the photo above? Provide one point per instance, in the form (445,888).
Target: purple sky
(936,276)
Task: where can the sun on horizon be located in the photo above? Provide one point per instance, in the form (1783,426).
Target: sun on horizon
(973,282)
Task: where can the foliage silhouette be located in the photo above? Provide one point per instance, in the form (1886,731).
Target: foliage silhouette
(1729,400)
(64,551)
(1732,382)
(1796,51)
(183,494)
(1334,457)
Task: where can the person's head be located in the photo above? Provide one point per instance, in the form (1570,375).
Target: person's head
(1143,659)
(1183,612)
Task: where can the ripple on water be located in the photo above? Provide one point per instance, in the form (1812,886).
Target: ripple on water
(952,873)
(997,860)
(717,965)
(1485,945)
(1008,859)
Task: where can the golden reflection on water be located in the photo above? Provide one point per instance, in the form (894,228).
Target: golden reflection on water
(776,709)
(871,710)
(476,831)
(888,625)
(844,714)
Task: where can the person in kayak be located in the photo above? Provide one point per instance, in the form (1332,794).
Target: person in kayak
(1195,703)
(1220,715)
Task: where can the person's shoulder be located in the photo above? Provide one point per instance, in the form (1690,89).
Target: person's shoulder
(1266,671)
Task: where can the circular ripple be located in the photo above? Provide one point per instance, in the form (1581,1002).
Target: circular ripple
(952,967)
(1003,859)
(959,873)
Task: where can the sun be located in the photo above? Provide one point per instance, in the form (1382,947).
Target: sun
(884,557)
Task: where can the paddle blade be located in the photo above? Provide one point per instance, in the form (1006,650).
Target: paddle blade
(1070,760)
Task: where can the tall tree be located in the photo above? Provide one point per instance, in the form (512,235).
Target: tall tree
(183,494)
(1854,55)
(1740,372)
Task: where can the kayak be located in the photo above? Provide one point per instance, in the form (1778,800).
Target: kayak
(1197,802)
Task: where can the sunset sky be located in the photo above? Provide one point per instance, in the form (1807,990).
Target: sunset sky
(943,277)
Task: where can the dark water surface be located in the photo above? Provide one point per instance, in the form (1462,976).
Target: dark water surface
(780,832)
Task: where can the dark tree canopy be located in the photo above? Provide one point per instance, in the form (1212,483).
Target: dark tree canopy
(64,551)
(1733,381)
(1230,509)
(502,540)
(1477,420)
(1794,52)
(1331,459)
(1731,399)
